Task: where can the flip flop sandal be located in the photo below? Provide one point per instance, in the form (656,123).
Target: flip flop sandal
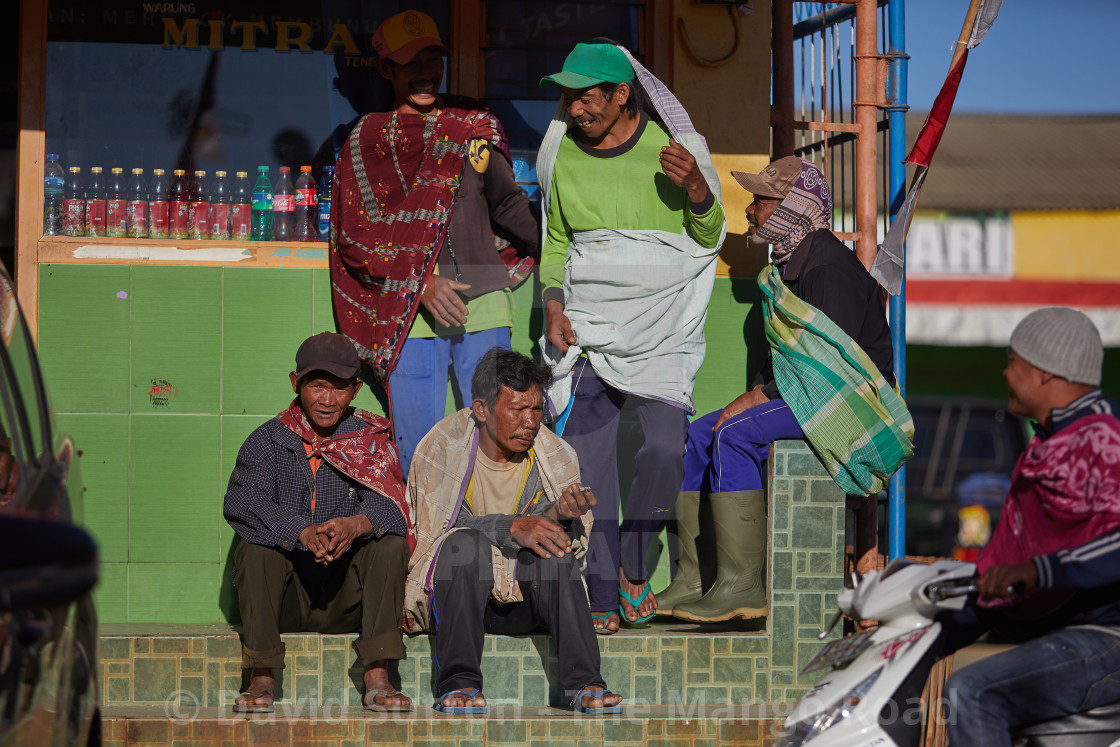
(578,707)
(439,706)
(634,603)
(369,702)
(604,617)
(254,707)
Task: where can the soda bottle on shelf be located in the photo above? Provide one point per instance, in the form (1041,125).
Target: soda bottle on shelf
(158,205)
(198,208)
(283,207)
(326,187)
(74,204)
(136,209)
(241,209)
(262,207)
(54,181)
(115,219)
(178,205)
(307,218)
(219,206)
(95,203)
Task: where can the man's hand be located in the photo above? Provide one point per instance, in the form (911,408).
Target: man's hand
(997,581)
(543,536)
(680,166)
(574,502)
(311,538)
(340,533)
(740,404)
(440,298)
(560,334)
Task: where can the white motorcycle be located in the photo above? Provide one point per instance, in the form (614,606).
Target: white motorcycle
(871,696)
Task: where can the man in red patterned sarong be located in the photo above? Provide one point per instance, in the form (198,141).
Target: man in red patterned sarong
(429,233)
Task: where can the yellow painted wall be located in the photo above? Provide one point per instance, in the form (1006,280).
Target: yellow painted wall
(730,106)
(1052,245)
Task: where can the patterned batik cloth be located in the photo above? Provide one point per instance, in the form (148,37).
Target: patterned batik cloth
(855,422)
(395,185)
(368,456)
(807,207)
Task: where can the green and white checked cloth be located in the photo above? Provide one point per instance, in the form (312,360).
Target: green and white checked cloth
(853,419)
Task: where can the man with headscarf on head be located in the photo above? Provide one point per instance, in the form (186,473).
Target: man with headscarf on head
(634,225)
(814,281)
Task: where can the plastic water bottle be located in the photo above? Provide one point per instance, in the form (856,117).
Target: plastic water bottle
(307,217)
(326,188)
(262,207)
(95,203)
(158,205)
(178,206)
(54,181)
(74,204)
(283,207)
(241,208)
(219,206)
(198,207)
(136,209)
(116,204)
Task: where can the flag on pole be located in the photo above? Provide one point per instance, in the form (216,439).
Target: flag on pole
(889,261)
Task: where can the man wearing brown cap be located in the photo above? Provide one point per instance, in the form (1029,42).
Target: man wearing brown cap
(317,500)
(727,449)
(429,235)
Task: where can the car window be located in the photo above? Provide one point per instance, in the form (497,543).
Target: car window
(24,412)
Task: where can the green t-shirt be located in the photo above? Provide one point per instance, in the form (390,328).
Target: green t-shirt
(621,188)
(490,310)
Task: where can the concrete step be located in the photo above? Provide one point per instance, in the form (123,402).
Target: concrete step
(510,726)
(668,663)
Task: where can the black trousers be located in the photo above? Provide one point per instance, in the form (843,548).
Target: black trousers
(288,592)
(464,612)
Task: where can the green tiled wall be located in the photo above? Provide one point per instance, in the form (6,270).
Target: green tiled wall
(161,371)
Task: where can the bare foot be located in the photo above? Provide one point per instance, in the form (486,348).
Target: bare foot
(647,606)
(261,688)
(463,700)
(377,678)
(594,698)
(610,623)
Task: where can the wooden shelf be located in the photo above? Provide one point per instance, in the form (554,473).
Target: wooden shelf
(103,250)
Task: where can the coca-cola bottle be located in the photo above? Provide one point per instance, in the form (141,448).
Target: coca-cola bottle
(241,209)
(136,209)
(95,203)
(283,207)
(307,218)
(219,206)
(158,205)
(198,211)
(115,219)
(74,204)
(178,205)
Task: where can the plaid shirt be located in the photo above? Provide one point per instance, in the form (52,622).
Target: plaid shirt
(268,501)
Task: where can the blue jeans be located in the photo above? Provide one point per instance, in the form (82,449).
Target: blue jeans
(732,457)
(418,385)
(1063,672)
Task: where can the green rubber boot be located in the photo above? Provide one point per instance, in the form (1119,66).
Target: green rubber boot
(739,592)
(685,586)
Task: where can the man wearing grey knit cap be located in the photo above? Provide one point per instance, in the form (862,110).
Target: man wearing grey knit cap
(1051,573)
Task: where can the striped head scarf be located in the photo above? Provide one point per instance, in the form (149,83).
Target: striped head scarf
(807,207)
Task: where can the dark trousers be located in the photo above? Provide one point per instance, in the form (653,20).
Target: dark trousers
(287,592)
(592,430)
(463,613)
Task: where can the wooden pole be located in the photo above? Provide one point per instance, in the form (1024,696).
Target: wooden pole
(966,31)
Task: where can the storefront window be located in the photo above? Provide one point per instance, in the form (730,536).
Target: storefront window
(203,85)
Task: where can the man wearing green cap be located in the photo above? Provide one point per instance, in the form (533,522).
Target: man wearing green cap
(634,224)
